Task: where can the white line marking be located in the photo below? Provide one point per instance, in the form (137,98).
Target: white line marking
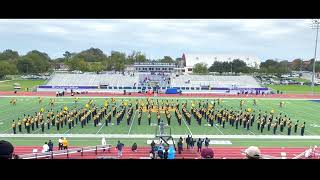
(186,125)
(35,131)
(135,112)
(6,130)
(218,129)
(100,128)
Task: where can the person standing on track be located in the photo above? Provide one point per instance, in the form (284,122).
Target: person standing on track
(206,142)
(60,143)
(119,148)
(199,145)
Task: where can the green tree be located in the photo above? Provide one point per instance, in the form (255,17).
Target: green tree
(7,68)
(67,55)
(166,59)
(117,60)
(297,65)
(200,68)
(9,55)
(90,55)
(239,66)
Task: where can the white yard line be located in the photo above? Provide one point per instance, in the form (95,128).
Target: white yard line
(100,128)
(135,112)
(36,131)
(6,130)
(218,129)
(186,125)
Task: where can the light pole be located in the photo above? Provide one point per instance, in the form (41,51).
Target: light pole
(315,25)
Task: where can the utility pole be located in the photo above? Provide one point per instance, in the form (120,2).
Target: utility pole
(315,25)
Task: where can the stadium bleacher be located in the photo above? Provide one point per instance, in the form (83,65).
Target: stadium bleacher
(118,82)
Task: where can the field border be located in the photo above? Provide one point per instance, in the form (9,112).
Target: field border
(145,136)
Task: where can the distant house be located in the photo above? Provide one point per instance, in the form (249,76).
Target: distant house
(61,67)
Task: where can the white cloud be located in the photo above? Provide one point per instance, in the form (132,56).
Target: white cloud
(264,37)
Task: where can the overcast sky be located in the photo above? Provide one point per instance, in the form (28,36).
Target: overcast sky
(265,38)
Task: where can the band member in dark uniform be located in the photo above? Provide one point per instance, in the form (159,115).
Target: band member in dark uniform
(149,118)
(139,118)
(302,128)
(58,124)
(237,122)
(248,125)
(14,127)
(158,117)
(42,125)
(49,122)
(19,125)
(179,119)
(289,129)
(296,126)
(275,126)
(32,124)
(269,124)
(69,123)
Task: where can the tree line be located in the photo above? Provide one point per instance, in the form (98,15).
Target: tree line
(95,60)
(92,60)
(270,66)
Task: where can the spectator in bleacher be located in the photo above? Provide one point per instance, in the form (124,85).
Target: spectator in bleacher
(60,146)
(45,147)
(50,144)
(134,147)
(6,150)
(65,143)
(119,148)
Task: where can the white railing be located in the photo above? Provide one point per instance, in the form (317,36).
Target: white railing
(65,152)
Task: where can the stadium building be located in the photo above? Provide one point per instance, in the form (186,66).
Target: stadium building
(189,60)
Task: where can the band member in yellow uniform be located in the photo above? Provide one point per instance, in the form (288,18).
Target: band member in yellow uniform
(13,101)
(28,126)
(14,127)
(40,100)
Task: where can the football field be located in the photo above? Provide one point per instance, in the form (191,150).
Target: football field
(302,110)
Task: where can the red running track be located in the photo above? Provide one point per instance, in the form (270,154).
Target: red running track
(101,94)
(219,153)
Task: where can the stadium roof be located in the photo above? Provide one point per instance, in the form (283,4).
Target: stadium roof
(192,59)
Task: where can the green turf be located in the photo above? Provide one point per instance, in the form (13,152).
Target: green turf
(301,80)
(302,110)
(8,85)
(295,89)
